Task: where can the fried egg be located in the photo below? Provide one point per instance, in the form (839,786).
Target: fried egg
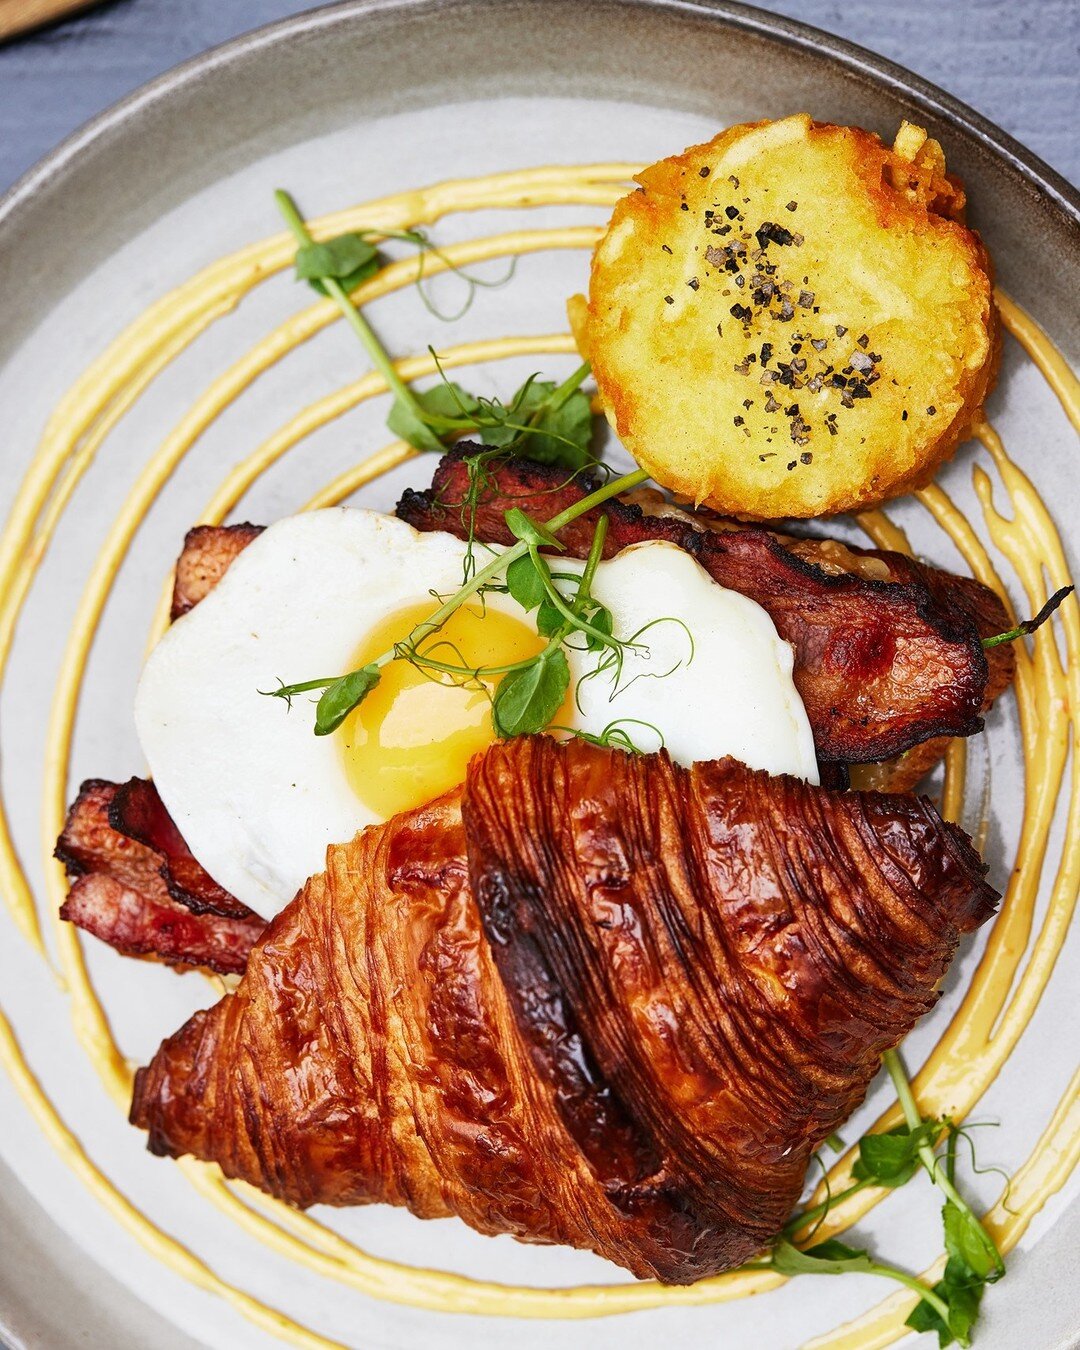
(258,797)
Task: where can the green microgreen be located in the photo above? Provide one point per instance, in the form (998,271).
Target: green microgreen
(543,421)
(438,408)
(524,584)
(480,481)
(602,625)
(349,259)
(558,616)
(531,532)
(1029,626)
(334,290)
(340,697)
(973,1257)
(834,1257)
(615,735)
(891,1159)
(574,615)
(546,421)
(613,660)
(473,283)
(348,691)
(527,700)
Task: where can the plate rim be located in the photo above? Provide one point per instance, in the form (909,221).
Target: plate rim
(856,60)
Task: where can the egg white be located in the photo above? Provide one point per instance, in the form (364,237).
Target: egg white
(708,670)
(255,794)
(258,797)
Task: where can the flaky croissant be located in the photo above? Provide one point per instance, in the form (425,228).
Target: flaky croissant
(590,998)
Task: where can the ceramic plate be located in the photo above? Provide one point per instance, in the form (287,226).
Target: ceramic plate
(342,106)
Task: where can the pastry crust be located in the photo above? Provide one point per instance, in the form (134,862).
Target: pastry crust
(792,319)
(590,998)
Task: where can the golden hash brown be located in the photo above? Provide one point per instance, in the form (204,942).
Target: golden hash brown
(793,319)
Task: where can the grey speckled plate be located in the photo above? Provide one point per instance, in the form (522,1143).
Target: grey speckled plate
(343,104)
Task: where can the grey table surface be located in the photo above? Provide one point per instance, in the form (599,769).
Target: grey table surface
(1016,61)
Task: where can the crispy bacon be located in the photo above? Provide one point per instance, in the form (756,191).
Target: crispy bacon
(206,556)
(89,843)
(904,772)
(138,812)
(887,650)
(137,923)
(588,998)
(137,885)
(120,893)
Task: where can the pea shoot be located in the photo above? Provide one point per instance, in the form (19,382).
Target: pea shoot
(546,421)
(973,1257)
(890,1160)
(549,422)
(1029,626)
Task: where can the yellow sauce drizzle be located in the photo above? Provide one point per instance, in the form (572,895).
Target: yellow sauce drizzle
(1005,989)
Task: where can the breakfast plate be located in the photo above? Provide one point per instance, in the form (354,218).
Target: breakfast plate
(159,366)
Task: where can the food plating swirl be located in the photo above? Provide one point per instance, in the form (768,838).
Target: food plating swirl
(1005,989)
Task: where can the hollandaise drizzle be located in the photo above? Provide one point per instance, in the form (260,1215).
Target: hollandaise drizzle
(1019,957)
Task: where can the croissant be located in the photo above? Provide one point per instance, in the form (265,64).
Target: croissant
(589,998)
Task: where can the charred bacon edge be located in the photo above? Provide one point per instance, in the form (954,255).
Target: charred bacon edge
(136,810)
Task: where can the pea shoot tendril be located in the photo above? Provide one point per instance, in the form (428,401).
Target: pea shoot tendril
(546,421)
(890,1160)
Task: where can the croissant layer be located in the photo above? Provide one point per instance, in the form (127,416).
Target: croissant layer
(591,998)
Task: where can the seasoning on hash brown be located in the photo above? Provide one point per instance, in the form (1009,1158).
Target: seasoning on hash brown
(792,319)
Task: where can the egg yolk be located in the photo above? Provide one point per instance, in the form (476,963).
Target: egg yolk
(414,734)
